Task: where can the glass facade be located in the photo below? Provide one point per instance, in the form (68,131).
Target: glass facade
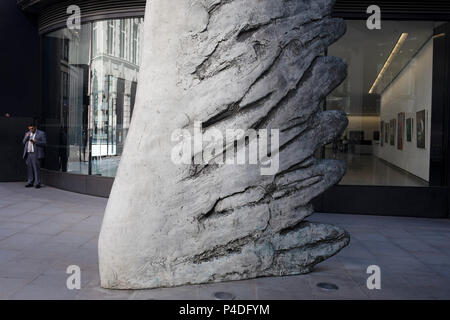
(90,78)
(388,98)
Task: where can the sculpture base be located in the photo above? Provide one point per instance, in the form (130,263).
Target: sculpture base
(292,251)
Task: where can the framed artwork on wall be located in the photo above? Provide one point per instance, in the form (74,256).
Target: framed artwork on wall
(421,126)
(382,133)
(386,133)
(400,130)
(392,129)
(409,129)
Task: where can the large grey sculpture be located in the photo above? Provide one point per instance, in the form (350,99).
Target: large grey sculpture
(247,64)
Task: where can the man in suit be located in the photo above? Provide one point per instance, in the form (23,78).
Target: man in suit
(33,152)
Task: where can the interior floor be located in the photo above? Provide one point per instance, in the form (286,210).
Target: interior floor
(370,170)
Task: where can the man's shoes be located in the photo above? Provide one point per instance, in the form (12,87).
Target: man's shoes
(29,185)
(38,186)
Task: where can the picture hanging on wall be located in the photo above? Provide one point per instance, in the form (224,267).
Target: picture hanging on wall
(409,129)
(382,133)
(400,130)
(386,133)
(392,127)
(421,126)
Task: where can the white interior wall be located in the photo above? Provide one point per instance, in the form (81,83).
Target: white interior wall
(409,93)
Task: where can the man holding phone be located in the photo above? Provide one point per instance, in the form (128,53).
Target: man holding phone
(34,141)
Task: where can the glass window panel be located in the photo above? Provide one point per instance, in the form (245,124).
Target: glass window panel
(90,94)
(387,98)
(115,83)
(66,70)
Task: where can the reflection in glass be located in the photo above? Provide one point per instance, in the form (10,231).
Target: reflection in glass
(91,79)
(66,72)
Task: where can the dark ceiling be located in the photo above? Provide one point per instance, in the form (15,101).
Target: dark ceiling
(437,9)
(34,6)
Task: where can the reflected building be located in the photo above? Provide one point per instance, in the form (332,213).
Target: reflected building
(91,76)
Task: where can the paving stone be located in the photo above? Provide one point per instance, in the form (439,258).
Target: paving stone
(412,255)
(5,233)
(37,292)
(414,245)
(31,218)
(15,225)
(176,293)
(22,240)
(7,255)
(23,268)
(9,286)
(48,209)
(71,237)
(48,228)
(69,218)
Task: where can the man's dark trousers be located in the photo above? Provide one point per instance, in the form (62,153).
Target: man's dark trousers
(33,168)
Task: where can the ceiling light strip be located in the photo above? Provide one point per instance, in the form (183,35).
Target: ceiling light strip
(388,62)
(440,35)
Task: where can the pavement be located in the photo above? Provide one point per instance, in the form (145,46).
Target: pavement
(43,232)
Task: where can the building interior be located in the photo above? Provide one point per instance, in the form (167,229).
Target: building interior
(387,97)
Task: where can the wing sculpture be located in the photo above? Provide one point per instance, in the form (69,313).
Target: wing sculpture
(227,64)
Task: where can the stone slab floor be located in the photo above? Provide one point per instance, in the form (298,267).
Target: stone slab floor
(44,231)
